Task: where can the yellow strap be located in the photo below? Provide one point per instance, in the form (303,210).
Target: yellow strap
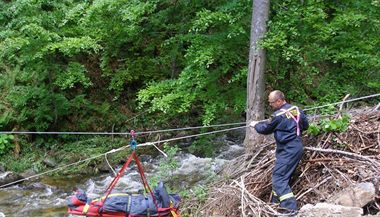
(286,196)
(292,113)
(85,208)
(294,110)
(172,211)
(274,193)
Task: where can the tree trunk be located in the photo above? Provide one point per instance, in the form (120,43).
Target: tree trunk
(256,69)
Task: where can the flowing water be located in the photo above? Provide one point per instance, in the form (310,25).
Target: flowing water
(47,197)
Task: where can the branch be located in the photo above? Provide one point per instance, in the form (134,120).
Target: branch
(357,156)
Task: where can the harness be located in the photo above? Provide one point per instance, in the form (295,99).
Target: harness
(294,113)
(134,157)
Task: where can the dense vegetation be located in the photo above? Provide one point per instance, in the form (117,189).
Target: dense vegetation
(91,65)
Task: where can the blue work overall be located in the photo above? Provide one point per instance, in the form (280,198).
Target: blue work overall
(287,127)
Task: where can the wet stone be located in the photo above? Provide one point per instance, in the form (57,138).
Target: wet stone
(8,177)
(357,196)
(329,210)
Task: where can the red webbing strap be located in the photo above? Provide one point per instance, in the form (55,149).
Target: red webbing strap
(117,177)
(145,182)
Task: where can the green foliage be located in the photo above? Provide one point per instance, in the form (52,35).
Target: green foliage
(76,73)
(210,81)
(92,144)
(17,166)
(166,166)
(33,52)
(6,144)
(199,192)
(313,129)
(28,159)
(90,65)
(330,125)
(73,46)
(323,49)
(339,125)
(75,150)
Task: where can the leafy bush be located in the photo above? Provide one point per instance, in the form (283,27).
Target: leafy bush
(6,144)
(330,125)
(28,159)
(86,65)
(166,166)
(308,53)
(335,125)
(314,129)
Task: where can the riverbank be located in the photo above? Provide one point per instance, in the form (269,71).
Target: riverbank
(338,158)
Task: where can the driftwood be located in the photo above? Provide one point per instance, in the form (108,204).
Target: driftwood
(332,161)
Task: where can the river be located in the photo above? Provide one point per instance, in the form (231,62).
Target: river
(47,196)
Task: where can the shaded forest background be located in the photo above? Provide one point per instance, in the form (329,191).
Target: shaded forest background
(69,65)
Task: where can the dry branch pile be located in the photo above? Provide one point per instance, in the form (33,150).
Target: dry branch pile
(332,161)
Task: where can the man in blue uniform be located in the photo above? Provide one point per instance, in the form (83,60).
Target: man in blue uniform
(287,124)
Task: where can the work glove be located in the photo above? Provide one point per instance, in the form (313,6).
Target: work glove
(253,123)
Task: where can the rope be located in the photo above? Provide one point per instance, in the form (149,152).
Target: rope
(344,101)
(109,165)
(50,171)
(172,129)
(121,133)
(150,143)
(116,150)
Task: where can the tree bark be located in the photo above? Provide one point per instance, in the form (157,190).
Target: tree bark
(256,69)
